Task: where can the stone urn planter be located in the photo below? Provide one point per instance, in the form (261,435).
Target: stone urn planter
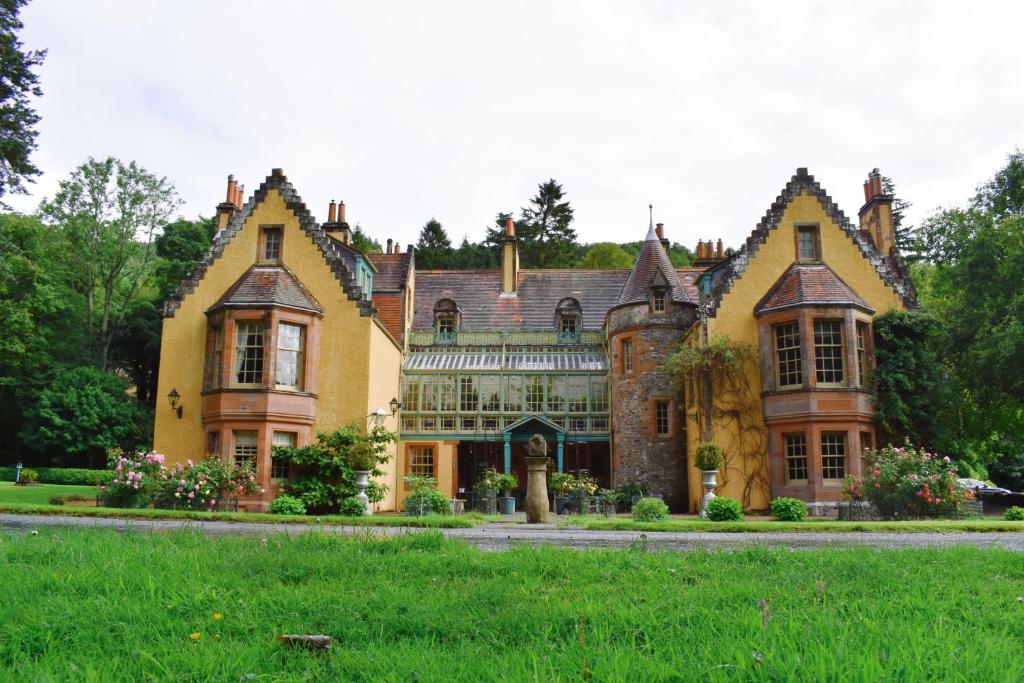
(362,481)
(709,478)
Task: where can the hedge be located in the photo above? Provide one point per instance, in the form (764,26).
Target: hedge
(64,475)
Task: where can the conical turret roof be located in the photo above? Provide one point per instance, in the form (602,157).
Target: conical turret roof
(652,260)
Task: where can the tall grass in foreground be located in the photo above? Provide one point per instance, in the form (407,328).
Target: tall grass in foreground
(96,605)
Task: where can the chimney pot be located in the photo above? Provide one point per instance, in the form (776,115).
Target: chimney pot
(332,212)
(700,249)
(660,230)
(230,199)
(341,212)
(719,251)
(390,242)
(510,227)
(241,196)
(398,247)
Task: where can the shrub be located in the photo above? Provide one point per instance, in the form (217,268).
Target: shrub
(788,509)
(625,494)
(488,481)
(71,476)
(29,476)
(426,502)
(1014,514)
(908,482)
(650,510)
(561,482)
(724,510)
(506,482)
(286,505)
(352,507)
(709,457)
(209,484)
(136,479)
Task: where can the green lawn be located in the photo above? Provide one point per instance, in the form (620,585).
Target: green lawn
(41,494)
(97,605)
(817,525)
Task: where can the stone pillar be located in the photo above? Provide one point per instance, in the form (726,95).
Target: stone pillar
(561,452)
(508,452)
(537,489)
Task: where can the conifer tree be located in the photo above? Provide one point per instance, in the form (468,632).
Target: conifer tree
(17,118)
(434,249)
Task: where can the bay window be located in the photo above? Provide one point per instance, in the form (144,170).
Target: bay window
(289,355)
(828,351)
(249,352)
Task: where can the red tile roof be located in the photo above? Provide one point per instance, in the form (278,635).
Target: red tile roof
(268,286)
(389,312)
(805,284)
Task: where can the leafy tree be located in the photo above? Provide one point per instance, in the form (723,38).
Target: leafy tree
(680,256)
(605,255)
(180,246)
(136,348)
(364,243)
(471,256)
(17,119)
(1004,193)
(83,413)
(913,392)
(545,227)
(434,249)
(111,211)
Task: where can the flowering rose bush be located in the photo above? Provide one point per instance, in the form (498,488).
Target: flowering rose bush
(209,484)
(907,483)
(136,479)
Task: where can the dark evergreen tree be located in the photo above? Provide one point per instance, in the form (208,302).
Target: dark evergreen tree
(547,239)
(473,256)
(906,240)
(17,118)
(364,243)
(434,249)
(180,247)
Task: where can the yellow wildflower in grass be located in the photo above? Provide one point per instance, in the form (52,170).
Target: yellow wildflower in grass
(218,616)
(196,635)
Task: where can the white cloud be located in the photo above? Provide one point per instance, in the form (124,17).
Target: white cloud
(457,110)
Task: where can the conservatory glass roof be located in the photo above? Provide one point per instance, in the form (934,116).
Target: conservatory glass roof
(497,361)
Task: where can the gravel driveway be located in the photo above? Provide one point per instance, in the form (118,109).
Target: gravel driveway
(498,536)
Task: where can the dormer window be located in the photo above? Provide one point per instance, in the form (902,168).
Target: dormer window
(270,247)
(446,322)
(658,300)
(569,321)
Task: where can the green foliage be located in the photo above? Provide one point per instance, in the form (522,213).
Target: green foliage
(606,256)
(85,412)
(624,494)
(424,498)
(788,509)
(28,476)
(286,505)
(559,482)
(1003,194)
(910,384)
(210,484)
(487,482)
(544,229)
(434,249)
(1014,514)
(908,483)
(720,356)
(650,510)
(363,242)
(352,507)
(180,246)
(708,457)
(326,476)
(506,482)
(64,475)
(723,509)
(17,118)
(471,256)
(680,256)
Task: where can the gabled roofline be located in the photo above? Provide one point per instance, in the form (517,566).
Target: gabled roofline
(539,418)
(275,181)
(888,268)
(223,303)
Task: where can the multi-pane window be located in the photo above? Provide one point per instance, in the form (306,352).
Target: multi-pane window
(787,355)
(490,392)
(796,457)
(599,424)
(535,394)
(279,466)
(446,324)
(577,393)
(828,351)
(249,352)
(429,402)
(627,355)
(467,424)
(289,355)
(212,443)
(833,455)
(862,354)
(271,244)
(598,394)
(246,445)
(514,394)
(556,394)
(447,393)
(577,424)
(447,423)
(469,397)
(807,243)
(658,300)
(866,442)
(409,423)
(218,350)
(568,324)
(411,395)
(421,461)
(661,417)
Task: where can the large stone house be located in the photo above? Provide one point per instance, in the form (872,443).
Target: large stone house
(285,329)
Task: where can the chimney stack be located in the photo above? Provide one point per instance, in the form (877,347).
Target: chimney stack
(336,227)
(719,252)
(659,230)
(876,215)
(332,212)
(509,259)
(227,209)
(699,254)
(390,242)
(398,247)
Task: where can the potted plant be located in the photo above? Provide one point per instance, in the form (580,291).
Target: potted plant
(487,490)
(560,484)
(505,483)
(362,458)
(581,490)
(709,460)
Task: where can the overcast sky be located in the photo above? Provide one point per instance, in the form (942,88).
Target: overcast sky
(457,110)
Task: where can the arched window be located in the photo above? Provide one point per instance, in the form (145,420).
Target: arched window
(569,321)
(447,319)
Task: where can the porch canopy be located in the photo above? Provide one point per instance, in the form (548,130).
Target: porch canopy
(523,429)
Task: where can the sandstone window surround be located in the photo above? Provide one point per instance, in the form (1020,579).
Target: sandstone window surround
(270,245)
(807,240)
(627,356)
(272,348)
(662,418)
(420,460)
(279,468)
(796,457)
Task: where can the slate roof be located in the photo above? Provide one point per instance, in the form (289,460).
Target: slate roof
(268,286)
(332,256)
(392,271)
(888,268)
(652,258)
(809,284)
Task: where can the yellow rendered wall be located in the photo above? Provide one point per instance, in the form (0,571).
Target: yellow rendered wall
(384,382)
(735,315)
(445,453)
(345,337)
